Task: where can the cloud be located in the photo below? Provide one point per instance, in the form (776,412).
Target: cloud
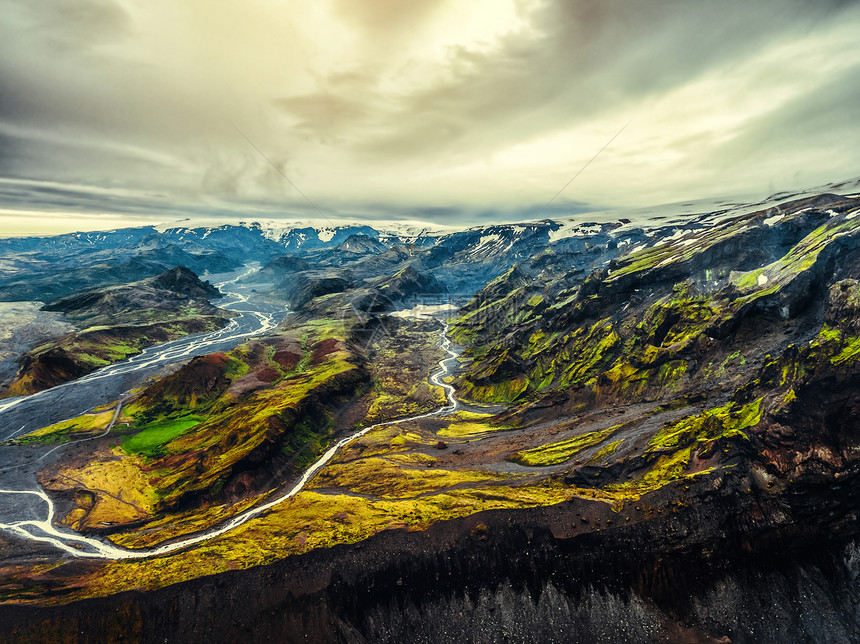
(485,108)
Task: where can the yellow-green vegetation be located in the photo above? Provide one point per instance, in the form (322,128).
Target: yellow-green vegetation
(676,443)
(800,258)
(605,452)
(389,479)
(386,440)
(613,357)
(160,529)
(585,351)
(190,431)
(555,453)
(311,520)
(117,488)
(677,319)
(413,459)
(506,391)
(667,252)
(839,347)
(67,430)
(152,438)
(400,364)
(464,424)
(198,458)
(720,422)
(831,348)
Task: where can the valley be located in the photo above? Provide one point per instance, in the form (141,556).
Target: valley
(625,431)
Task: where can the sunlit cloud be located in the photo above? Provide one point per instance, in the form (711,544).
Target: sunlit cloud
(447,108)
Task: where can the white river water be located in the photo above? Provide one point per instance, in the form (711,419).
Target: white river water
(44,530)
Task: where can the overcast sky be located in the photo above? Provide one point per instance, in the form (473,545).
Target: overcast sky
(453,111)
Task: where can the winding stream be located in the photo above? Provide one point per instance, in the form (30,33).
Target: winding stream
(80,546)
(68,400)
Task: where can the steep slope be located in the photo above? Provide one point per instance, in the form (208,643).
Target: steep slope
(118,322)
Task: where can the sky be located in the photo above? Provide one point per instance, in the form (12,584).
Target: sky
(122,112)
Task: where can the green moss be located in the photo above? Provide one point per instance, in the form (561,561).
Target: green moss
(150,441)
(667,468)
(71,429)
(502,392)
(727,421)
(555,453)
(581,356)
(472,425)
(605,452)
(388,479)
(800,258)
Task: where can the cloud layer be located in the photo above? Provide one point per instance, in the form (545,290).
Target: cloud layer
(441,108)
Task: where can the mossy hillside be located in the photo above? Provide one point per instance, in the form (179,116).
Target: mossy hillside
(111,489)
(401,359)
(614,357)
(470,424)
(832,351)
(77,354)
(521,305)
(313,520)
(71,429)
(287,417)
(727,421)
(161,528)
(514,361)
(561,451)
(706,438)
(803,257)
(605,452)
(388,440)
(661,345)
(220,413)
(675,255)
(178,449)
(192,389)
(386,478)
(520,296)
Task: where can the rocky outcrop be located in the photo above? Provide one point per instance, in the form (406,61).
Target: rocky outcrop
(117,322)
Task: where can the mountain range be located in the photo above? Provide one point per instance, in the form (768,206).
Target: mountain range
(640,432)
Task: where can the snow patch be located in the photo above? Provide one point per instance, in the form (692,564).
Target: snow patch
(762,280)
(423,311)
(486,240)
(678,234)
(573,229)
(770,221)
